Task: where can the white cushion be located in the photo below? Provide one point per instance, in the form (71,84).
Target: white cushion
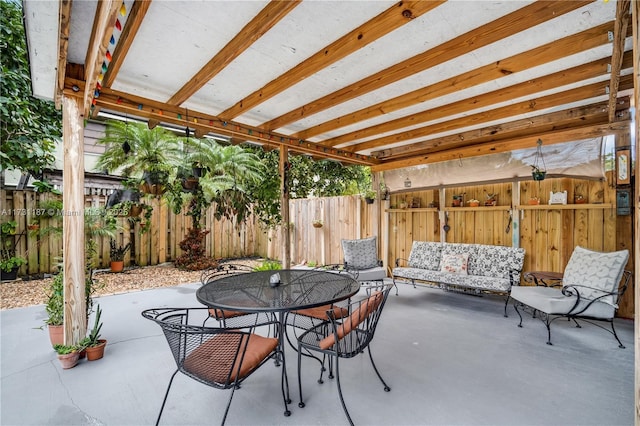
(425,255)
(454,263)
(551,301)
(595,273)
(360,254)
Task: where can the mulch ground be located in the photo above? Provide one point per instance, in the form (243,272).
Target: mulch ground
(18,294)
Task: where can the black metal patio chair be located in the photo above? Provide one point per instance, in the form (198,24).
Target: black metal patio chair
(218,357)
(345,337)
(226,317)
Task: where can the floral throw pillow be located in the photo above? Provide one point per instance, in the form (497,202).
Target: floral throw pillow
(360,254)
(454,263)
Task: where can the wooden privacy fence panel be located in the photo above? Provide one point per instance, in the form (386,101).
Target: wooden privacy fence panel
(341,219)
(548,233)
(160,244)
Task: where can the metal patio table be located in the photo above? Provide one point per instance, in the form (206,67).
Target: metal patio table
(278,292)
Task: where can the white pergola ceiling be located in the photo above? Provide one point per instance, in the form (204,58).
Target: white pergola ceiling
(390,84)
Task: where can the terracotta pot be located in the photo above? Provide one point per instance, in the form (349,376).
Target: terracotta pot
(56,334)
(474,204)
(69,360)
(96,352)
(534,202)
(117,265)
(317,225)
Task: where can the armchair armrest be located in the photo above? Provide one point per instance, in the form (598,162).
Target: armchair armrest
(401,260)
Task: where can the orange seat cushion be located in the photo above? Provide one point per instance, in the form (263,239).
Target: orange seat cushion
(359,315)
(214,360)
(320,312)
(225,313)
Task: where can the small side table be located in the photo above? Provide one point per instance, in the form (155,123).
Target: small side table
(544,278)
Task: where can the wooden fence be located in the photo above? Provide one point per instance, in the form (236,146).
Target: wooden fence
(548,233)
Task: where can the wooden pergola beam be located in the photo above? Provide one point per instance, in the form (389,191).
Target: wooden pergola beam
(550,138)
(64,24)
(520,20)
(161,112)
(619,36)
(134,21)
(105,19)
(589,114)
(527,106)
(396,16)
(576,43)
(536,85)
(268,17)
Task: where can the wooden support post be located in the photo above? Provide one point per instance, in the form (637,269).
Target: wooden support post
(284,202)
(635,22)
(75,319)
(515,214)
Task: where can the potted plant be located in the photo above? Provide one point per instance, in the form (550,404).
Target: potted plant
(537,173)
(473,203)
(68,355)
(369,196)
(93,344)
(9,265)
(317,223)
(117,255)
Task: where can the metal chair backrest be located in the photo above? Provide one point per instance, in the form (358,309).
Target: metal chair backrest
(354,333)
(222,270)
(211,355)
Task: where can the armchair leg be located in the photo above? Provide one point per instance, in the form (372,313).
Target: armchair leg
(166,394)
(506,303)
(613,330)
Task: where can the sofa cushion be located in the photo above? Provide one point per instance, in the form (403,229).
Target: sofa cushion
(470,249)
(551,301)
(454,263)
(425,255)
(497,261)
(595,273)
(361,253)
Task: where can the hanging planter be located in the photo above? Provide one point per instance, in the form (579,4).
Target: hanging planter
(539,168)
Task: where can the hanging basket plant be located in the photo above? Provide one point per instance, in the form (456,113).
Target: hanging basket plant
(538,168)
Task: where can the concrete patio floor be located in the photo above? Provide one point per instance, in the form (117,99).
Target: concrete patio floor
(450,359)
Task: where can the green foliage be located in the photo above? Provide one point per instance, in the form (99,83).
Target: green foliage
(10,262)
(117,252)
(306,178)
(149,150)
(67,349)
(28,126)
(94,334)
(269,265)
(55,302)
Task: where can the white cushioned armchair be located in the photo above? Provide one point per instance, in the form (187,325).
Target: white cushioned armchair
(362,255)
(590,289)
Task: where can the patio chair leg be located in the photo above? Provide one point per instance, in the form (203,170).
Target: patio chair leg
(344,406)
(548,324)
(515,306)
(166,394)
(506,303)
(613,330)
(226,411)
(386,387)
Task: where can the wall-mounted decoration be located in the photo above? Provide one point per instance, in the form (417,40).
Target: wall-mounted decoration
(623,202)
(623,167)
(558,197)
